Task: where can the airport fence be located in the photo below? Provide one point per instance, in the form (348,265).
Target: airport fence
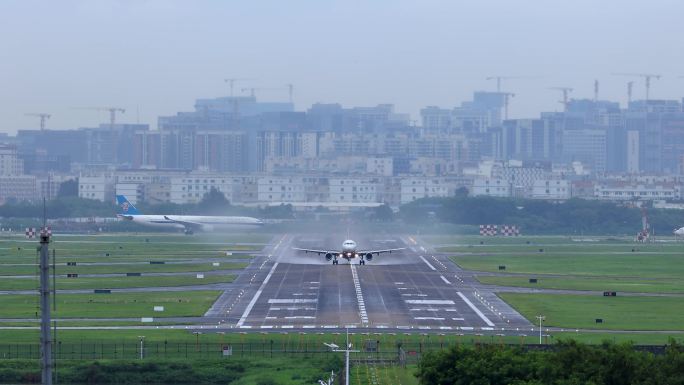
(368,350)
(388,353)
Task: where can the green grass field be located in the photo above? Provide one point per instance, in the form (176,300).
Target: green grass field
(280,370)
(607,264)
(127,247)
(383,375)
(125,268)
(662,285)
(115,305)
(117,282)
(618,313)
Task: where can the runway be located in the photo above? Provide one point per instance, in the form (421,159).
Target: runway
(404,290)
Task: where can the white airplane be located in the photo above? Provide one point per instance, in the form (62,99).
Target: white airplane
(679,232)
(188,223)
(349,252)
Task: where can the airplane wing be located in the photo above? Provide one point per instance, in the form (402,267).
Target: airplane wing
(378,252)
(319,252)
(186,224)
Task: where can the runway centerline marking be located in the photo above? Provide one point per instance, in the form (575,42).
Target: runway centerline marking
(249,307)
(427,263)
(476,310)
(359,295)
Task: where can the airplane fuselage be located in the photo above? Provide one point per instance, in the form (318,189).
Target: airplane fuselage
(349,250)
(208,223)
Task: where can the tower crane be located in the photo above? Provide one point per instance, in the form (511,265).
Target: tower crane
(231,82)
(252,90)
(629,93)
(112,112)
(43,117)
(596,90)
(290,90)
(566,91)
(506,96)
(499,78)
(647,79)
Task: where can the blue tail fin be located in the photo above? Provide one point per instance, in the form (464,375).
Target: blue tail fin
(127,207)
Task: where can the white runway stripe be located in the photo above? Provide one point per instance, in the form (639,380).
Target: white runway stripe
(249,307)
(430,301)
(427,263)
(476,310)
(291,300)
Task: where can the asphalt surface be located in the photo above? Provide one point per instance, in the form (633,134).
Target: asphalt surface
(404,290)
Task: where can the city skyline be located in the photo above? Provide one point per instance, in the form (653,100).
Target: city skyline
(84,54)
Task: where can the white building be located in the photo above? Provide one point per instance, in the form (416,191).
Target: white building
(353,190)
(495,187)
(552,189)
(416,188)
(100,187)
(192,187)
(281,189)
(627,191)
(17,187)
(10,164)
(383,166)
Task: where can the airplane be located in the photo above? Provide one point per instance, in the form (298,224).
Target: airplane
(188,223)
(678,232)
(349,252)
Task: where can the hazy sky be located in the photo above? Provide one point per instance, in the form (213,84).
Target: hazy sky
(160,55)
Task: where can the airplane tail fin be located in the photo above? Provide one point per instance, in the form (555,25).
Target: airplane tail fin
(127,207)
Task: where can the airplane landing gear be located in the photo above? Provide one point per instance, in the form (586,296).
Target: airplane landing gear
(362,262)
(334,262)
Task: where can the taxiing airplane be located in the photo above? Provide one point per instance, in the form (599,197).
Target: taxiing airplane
(349,252)
(188,223)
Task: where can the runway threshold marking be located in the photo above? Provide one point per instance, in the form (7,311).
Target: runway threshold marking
(427,263)
(359,295)
(249,307)
(475,309)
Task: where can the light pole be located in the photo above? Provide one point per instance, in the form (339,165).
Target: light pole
(540,318)
(142,338)
(197,334)
(346,350)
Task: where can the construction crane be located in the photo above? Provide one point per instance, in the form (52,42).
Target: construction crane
(629,93)
(43,117)
(112,112)
(290,90)
(499,78)
(506,96)
(647,79)
(252,90)
(596,90)
(566,91)
(231,82)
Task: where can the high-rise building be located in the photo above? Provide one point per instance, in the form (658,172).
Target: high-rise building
(10,164)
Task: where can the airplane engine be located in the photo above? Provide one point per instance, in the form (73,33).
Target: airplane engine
(328,256)
(369,257)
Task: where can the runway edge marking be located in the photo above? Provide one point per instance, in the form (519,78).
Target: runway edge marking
(249,307)
(428,263)
(476,310)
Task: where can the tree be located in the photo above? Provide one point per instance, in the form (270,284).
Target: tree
(68,189)
(213,201)
(383,213)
